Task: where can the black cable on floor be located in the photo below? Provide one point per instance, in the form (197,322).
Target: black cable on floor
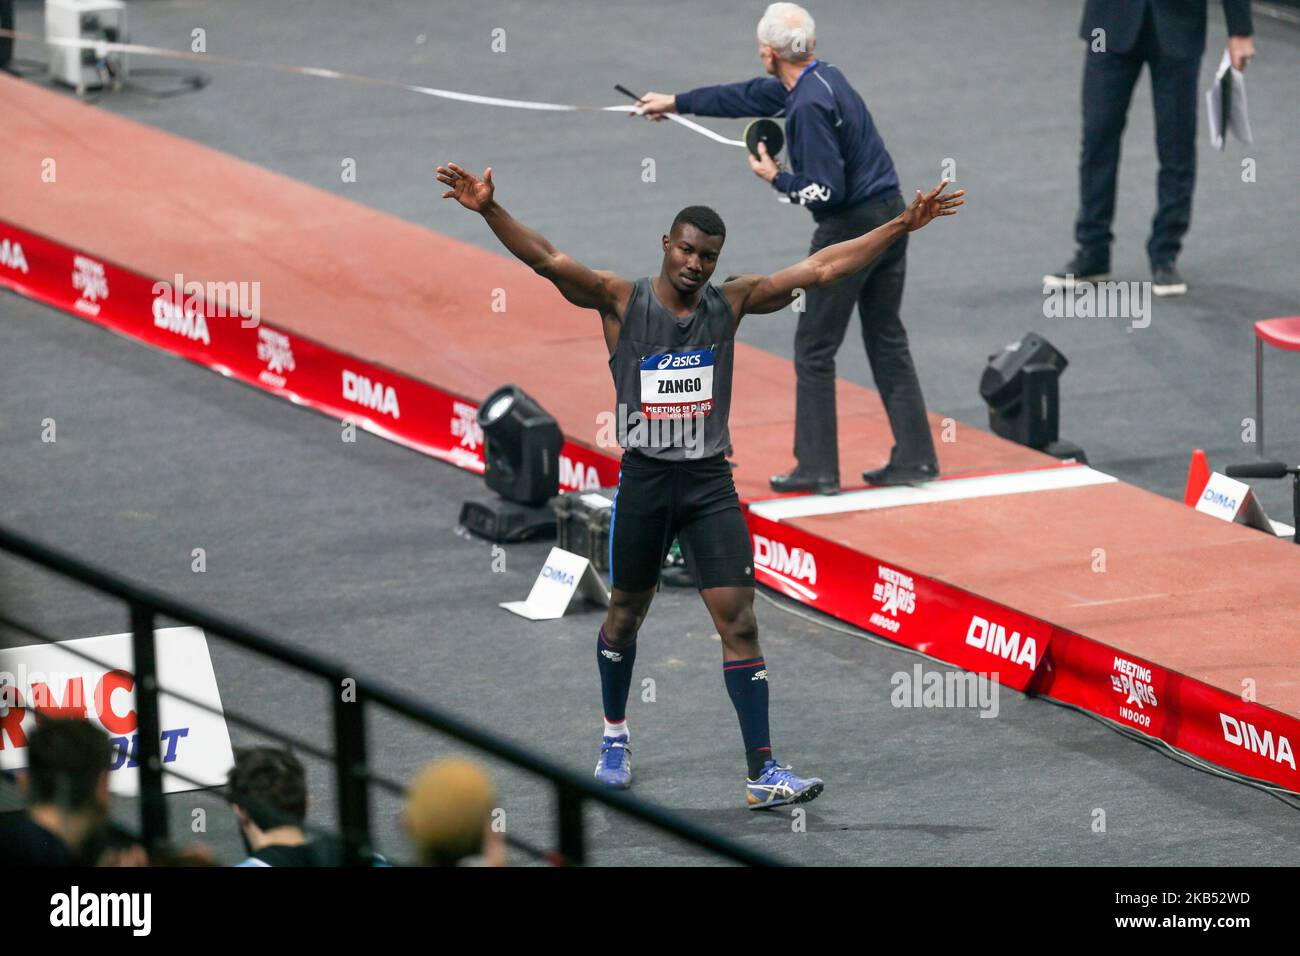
(190,82)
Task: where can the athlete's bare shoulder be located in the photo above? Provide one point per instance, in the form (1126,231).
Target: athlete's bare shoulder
(618,292)
(618,295)
(736,290)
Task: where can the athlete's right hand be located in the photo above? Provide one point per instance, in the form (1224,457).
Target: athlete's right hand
(467,189)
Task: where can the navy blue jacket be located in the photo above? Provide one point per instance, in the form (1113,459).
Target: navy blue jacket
(1180,24)
(836,154)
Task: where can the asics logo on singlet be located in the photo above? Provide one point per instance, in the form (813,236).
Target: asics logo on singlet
(679,361)
(759,675)
(612,655)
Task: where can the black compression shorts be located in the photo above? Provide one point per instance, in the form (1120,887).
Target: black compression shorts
(692,501)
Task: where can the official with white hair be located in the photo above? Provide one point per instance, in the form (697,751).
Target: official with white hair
(842,173)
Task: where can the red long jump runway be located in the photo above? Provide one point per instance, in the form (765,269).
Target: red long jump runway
(1060,579)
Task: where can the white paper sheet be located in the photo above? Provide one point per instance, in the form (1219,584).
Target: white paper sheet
(1235,90)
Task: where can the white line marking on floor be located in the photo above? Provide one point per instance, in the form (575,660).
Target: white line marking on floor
(952,489)
(1123,600)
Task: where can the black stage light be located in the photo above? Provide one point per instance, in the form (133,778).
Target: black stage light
(1021,385)
(1001,383)
(521,447)
(521,454)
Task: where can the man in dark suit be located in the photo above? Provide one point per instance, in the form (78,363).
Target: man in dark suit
(1169,36)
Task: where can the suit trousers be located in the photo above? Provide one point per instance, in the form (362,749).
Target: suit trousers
(877,291)
(1108,82)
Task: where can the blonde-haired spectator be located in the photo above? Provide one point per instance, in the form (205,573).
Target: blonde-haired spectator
(448,815)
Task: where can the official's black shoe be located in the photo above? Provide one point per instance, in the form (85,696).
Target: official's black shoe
(1166,280)
(893,474)
(803,481)
(1082,268)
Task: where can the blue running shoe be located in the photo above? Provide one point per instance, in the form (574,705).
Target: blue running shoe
(614,768)
(776,786)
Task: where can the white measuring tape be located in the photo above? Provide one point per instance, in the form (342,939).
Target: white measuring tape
(102,47)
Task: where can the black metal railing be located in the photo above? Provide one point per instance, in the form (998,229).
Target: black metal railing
(353,778)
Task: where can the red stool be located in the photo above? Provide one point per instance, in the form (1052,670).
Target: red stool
(1283,333)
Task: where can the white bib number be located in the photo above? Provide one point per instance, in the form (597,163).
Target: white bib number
(677,384)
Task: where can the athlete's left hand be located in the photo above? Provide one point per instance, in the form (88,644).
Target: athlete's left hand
(763,165)
(930,206)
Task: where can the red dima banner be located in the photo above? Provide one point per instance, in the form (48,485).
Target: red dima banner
(1225,728)
(894,602)
(211,333)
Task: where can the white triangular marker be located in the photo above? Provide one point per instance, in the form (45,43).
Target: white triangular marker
(563,577)
(1232,500)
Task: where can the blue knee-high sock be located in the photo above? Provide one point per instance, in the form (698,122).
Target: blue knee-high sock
(747,686)
(615,664)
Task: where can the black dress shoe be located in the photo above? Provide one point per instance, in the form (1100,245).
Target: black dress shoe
(893,474)
(1084,267)
(802,481)
(1165,280)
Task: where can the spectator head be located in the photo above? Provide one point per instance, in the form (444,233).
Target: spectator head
(268,789)
(448,813)
(786,33)
(67,767)
(66,783)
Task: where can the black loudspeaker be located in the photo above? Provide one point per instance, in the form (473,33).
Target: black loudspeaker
(1021,385)
(6,23)
(521,447)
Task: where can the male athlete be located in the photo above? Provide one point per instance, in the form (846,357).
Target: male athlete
(671,340)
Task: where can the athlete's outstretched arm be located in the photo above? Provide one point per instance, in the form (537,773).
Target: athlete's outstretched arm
(584,287)
(760,294)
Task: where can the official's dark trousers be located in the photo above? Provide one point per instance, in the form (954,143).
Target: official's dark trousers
(1108,81)
(877,291)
